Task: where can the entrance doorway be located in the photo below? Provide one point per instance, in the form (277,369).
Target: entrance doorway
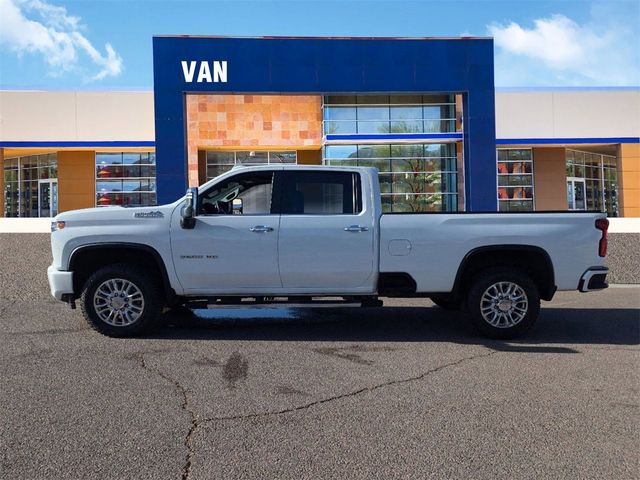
(47,198)
(576,188)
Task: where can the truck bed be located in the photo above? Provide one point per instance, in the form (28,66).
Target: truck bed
(431,247)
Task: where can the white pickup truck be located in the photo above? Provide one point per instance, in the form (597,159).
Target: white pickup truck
(302,235)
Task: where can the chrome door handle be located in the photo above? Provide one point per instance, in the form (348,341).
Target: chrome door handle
(261,229)
(355,228)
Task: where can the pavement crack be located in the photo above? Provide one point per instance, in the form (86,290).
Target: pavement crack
(354,393)
(186,406)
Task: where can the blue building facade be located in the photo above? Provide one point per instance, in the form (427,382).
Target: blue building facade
(382,101)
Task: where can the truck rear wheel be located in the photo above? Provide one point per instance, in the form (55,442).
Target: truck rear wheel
(503,303)
(121,300)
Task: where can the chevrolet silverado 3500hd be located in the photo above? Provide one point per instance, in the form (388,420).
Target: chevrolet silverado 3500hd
(278,234)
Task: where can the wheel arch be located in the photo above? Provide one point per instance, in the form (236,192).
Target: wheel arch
(86,259)
(533,260)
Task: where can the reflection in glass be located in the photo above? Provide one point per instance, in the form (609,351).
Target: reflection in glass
(413,177)
(376,114)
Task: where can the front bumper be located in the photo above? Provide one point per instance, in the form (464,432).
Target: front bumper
(60,282)
(595,278)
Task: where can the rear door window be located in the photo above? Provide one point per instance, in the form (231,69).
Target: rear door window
(320,193)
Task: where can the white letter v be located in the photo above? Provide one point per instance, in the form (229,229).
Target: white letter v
(189,71)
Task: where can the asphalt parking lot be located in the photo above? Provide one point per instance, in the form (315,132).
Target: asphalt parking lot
(402,392)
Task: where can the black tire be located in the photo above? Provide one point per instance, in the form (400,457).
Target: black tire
(447,303)
(481,284)
(148,287)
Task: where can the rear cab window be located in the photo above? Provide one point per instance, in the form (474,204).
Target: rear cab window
(320,193)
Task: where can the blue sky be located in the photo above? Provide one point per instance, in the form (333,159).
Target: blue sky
(106,44)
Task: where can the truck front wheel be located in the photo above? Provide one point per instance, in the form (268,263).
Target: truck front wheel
(121,300)
(503,302)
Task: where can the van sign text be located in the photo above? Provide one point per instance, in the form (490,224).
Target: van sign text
(204,72)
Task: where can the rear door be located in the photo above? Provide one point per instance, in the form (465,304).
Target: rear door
(326,241)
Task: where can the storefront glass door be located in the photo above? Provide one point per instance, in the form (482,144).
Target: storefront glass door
(47,198)
(576,188)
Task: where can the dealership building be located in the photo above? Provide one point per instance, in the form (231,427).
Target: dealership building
(425,112)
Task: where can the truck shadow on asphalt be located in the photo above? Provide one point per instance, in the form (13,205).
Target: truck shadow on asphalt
(612,327)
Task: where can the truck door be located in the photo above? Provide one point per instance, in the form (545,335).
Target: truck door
(233,248)
(326,242)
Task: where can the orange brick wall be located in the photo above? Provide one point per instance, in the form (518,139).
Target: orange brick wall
(629,179)
(242,122)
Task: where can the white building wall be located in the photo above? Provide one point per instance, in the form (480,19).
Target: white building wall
(76,116)
(568,114)
(128,116)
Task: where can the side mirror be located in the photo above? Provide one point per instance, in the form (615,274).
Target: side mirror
(188,213)
(237,206)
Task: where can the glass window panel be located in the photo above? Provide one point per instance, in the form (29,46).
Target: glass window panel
(570,170)
(519,206)
(386,183)
(439,150)
(120,176)
(374,151)
(406,126)
(340,113)
(109,171)
(406,113)
(418,182)
(220,157)
(109,186)
(131,185)
(131,158)
(373,113)
(10,175)
(432,112)
(108,158)
(340,151)
(216,170)
(131,171)
(342,163)
(340,128)
(520,180)
(29,162)
(131,200)
(407,151)
(282,157)
(252,157)
(381,164)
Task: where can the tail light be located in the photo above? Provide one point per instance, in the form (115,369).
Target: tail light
(602,224)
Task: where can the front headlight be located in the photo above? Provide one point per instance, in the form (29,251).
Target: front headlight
(59,225)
